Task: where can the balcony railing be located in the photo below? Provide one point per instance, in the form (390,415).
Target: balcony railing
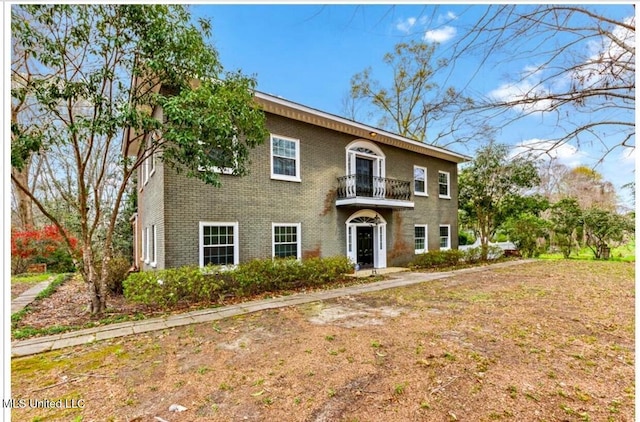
(357,185)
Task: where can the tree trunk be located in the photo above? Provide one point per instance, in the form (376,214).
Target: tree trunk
(25,204)
(94,281)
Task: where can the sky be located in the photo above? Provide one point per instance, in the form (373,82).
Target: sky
(308,53)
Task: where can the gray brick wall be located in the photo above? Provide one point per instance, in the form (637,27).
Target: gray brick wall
(256,201)
(151,210)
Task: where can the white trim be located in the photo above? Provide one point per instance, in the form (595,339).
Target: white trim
(415,192)
(426,239)
(448,195)
(374,202)
(294,178)
(428,149)
(145,245)
(298,227)
(448,226)
(136,240)
(222,170)
(236,239)
(379,238)
(154,249)
(378,157)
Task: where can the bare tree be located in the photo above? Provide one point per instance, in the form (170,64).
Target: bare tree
(412,101)
(580,76)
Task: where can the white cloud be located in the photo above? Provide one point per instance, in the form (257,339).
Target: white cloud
(452,16)
(406,25)
(610,56)
(409,24)
(545,149)
(440,35)
(526,94)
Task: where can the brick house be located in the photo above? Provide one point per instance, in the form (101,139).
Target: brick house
(321,185)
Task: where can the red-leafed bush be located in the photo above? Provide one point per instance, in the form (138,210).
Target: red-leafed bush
(43,246)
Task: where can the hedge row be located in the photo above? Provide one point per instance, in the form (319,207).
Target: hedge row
(453,257)
(212,284)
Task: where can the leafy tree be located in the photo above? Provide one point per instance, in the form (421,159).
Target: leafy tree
(31,246)
(578,70)
(566,218)
(412,100)
(490,185)
(529,233)
(101,69)
(604,228)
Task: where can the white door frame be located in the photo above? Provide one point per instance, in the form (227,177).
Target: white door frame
(361,218)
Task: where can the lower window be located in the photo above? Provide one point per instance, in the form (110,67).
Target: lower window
(286,240)
(445,237)
(218,244)
(420,239)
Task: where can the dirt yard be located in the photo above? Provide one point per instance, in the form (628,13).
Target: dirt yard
(550,341)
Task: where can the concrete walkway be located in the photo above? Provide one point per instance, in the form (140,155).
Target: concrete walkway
(75,338)
(28,296)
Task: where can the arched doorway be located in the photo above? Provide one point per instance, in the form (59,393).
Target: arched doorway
(367,239)
(365,165)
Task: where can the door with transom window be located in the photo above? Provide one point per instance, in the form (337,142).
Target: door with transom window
(367,239)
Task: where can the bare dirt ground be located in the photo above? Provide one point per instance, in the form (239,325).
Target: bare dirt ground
(546,341)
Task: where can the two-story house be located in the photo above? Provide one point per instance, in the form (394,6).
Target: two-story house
(321,185)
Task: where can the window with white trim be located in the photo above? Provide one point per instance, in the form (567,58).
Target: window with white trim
(145,244)
(420,238)
(154,245)
(420,181)
(443,184)
(286,240)
(153,139)
(445,237)
(225,155)
(218,243)
(285,158)
(143,255)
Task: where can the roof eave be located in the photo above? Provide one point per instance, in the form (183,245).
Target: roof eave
(286,108)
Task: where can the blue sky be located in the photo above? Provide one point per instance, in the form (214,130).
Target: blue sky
(308,53)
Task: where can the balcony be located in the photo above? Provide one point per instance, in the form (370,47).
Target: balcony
(365,190)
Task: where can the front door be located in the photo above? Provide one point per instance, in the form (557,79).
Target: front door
(364,177)
(364,246)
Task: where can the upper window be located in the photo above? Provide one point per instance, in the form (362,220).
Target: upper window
(286,240)
(285,158)
(445,237)
(227,157)
(420,181)
(420,238)
(218,244)
(443,184)
(153,141)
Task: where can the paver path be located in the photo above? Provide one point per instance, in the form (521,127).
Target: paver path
(75,338)
(28,296)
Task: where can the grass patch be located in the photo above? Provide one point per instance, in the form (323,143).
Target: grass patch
(31,278)
(624,253)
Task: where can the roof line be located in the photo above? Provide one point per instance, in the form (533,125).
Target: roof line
(362,126)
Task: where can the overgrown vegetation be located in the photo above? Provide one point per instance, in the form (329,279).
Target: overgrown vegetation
(166,288)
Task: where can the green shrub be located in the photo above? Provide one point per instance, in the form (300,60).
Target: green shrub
(117,272)
(437,259)
(472,255)
(166,288)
